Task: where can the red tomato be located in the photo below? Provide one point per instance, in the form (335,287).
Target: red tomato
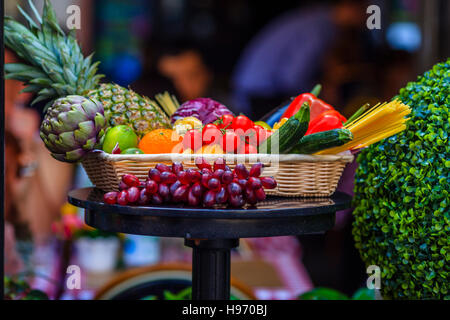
(261,134)
(247,149)
(242,123)
(192,140)
(225,121)
(211,134)
(249,137)
(231,142)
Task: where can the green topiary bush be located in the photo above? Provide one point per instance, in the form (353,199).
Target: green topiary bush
(402,186)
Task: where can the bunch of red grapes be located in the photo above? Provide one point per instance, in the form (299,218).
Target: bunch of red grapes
(208,185)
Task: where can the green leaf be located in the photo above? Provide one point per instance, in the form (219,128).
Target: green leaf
(169,295)
(323,294)
(401,195)
(38,99)
(27,17)
(36,295)
(31,88)
(35,11)
(364,294)
(49,17)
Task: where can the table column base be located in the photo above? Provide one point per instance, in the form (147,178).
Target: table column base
(211,268)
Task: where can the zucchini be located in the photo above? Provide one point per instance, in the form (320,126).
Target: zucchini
(315,142)
(289,133)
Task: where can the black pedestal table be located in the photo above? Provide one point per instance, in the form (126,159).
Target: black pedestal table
(212,232)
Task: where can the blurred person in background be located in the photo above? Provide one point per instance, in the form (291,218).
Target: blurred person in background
(286,57)
(13,262)
(188,71)
(20,125)
(44,182)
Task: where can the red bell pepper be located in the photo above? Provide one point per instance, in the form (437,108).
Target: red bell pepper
(327,120)
(316,106)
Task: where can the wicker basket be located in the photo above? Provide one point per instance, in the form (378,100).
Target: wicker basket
(297,175)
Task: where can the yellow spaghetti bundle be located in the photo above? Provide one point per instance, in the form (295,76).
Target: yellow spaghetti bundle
(379,122)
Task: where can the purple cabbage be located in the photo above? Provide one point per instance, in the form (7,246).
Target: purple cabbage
(205,109)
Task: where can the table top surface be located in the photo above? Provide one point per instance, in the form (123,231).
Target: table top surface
(276,216)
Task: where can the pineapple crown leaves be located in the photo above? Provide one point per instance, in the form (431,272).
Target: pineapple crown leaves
(56,66)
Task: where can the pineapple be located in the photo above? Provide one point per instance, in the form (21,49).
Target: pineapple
(55,67)
(124,106)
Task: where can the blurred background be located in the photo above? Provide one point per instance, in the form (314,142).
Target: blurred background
(249,55)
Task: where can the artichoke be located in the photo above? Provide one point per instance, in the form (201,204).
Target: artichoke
(72,127)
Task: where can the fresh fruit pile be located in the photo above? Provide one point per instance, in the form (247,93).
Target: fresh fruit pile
(228,133)
(54,68)
(208,185)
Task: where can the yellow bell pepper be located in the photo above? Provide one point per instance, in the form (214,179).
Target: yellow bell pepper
(181,126)
(278,125)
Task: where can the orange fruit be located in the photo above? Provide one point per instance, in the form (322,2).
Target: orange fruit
(178,148)
(160,141)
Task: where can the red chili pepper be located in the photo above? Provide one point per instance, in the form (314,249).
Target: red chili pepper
(327,120)
(316,106)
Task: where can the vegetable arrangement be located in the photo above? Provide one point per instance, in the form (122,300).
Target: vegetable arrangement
(84,114)
(329,132)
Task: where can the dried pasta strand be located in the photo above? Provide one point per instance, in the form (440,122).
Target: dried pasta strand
(379,122)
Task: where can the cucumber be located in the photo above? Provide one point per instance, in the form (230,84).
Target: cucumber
(315,142)
(289,133)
